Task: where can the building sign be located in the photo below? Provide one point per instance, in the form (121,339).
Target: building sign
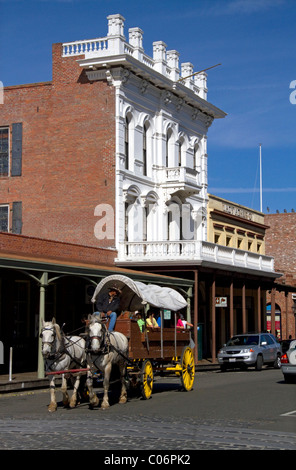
(238,211)
(221,301)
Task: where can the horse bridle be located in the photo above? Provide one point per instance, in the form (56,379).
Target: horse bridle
(54,353)
(54,335)
(101,338)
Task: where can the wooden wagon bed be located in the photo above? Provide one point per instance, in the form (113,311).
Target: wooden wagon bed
(163,344)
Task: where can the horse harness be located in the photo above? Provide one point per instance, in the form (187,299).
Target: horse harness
(107,346)
(57,354)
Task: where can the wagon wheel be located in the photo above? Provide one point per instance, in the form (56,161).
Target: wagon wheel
(146,379)
(188,369)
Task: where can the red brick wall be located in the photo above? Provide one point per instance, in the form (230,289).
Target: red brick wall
(37,248)
(280,242)
(68,158)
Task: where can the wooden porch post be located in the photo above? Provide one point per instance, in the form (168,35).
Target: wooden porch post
(244,308)
(259,308)
(213,320)
(286,315)
(231,309)
(272,314)
(195,320)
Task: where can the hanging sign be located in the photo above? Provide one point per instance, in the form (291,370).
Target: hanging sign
(221,301)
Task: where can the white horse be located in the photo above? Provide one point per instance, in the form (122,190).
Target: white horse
(61,352)
(105,349)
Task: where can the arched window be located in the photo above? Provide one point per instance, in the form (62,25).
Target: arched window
(126,142)
(174,221)
(145,149)
(180,154)
(169,151)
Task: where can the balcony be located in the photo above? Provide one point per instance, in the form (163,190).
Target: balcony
(179,180)
(191,253)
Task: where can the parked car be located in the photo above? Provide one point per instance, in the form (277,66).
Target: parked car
(288,363)
(285,344)
(250,349)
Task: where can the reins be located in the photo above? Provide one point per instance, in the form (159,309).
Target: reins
(63,348)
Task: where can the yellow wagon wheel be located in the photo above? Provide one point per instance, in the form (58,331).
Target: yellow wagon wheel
(146,379)
(188,369)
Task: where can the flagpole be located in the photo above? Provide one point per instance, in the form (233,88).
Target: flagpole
(260,178)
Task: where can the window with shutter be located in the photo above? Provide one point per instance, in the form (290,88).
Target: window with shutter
(17,217)
(16,157)
(4,214)
(4,151)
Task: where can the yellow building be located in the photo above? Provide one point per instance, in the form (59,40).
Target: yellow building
(235,226)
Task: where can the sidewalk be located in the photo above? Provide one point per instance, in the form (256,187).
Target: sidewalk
(30,381)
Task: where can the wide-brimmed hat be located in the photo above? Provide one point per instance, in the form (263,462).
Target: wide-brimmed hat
(116,289)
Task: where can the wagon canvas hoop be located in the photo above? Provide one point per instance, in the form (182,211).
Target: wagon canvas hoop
(160,297)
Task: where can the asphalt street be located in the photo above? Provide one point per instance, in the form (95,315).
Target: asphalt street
(226,411)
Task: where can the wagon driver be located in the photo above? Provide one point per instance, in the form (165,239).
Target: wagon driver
(108,305)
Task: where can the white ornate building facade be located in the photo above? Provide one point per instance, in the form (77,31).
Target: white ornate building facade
(162,119)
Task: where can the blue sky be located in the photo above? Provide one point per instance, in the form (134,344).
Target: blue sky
(254,40)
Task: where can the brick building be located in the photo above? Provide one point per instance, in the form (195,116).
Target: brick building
(60,160)
(108,162)
(281,243)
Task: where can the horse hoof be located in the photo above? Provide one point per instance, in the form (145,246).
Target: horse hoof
(123,400)
(52,408)
(94,402)
(105,406)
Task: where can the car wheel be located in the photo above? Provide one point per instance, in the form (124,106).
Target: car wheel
(259,363)
(277,363)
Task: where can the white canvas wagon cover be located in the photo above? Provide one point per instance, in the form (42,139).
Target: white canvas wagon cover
(135,293)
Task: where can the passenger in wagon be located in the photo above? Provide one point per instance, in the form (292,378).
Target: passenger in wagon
(150,320)
(185,322)
(179,324)
(108,304)
(140,321)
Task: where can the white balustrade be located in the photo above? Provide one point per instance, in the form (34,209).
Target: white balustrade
(163,61)
(85,47)
(186,250)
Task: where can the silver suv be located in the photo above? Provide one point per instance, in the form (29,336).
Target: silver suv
(250,349)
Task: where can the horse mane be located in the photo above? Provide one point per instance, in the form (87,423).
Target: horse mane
(58,331)
(55,326)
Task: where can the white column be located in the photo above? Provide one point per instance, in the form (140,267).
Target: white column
(136,41)
(116,39)
(159,57)
(173,63)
